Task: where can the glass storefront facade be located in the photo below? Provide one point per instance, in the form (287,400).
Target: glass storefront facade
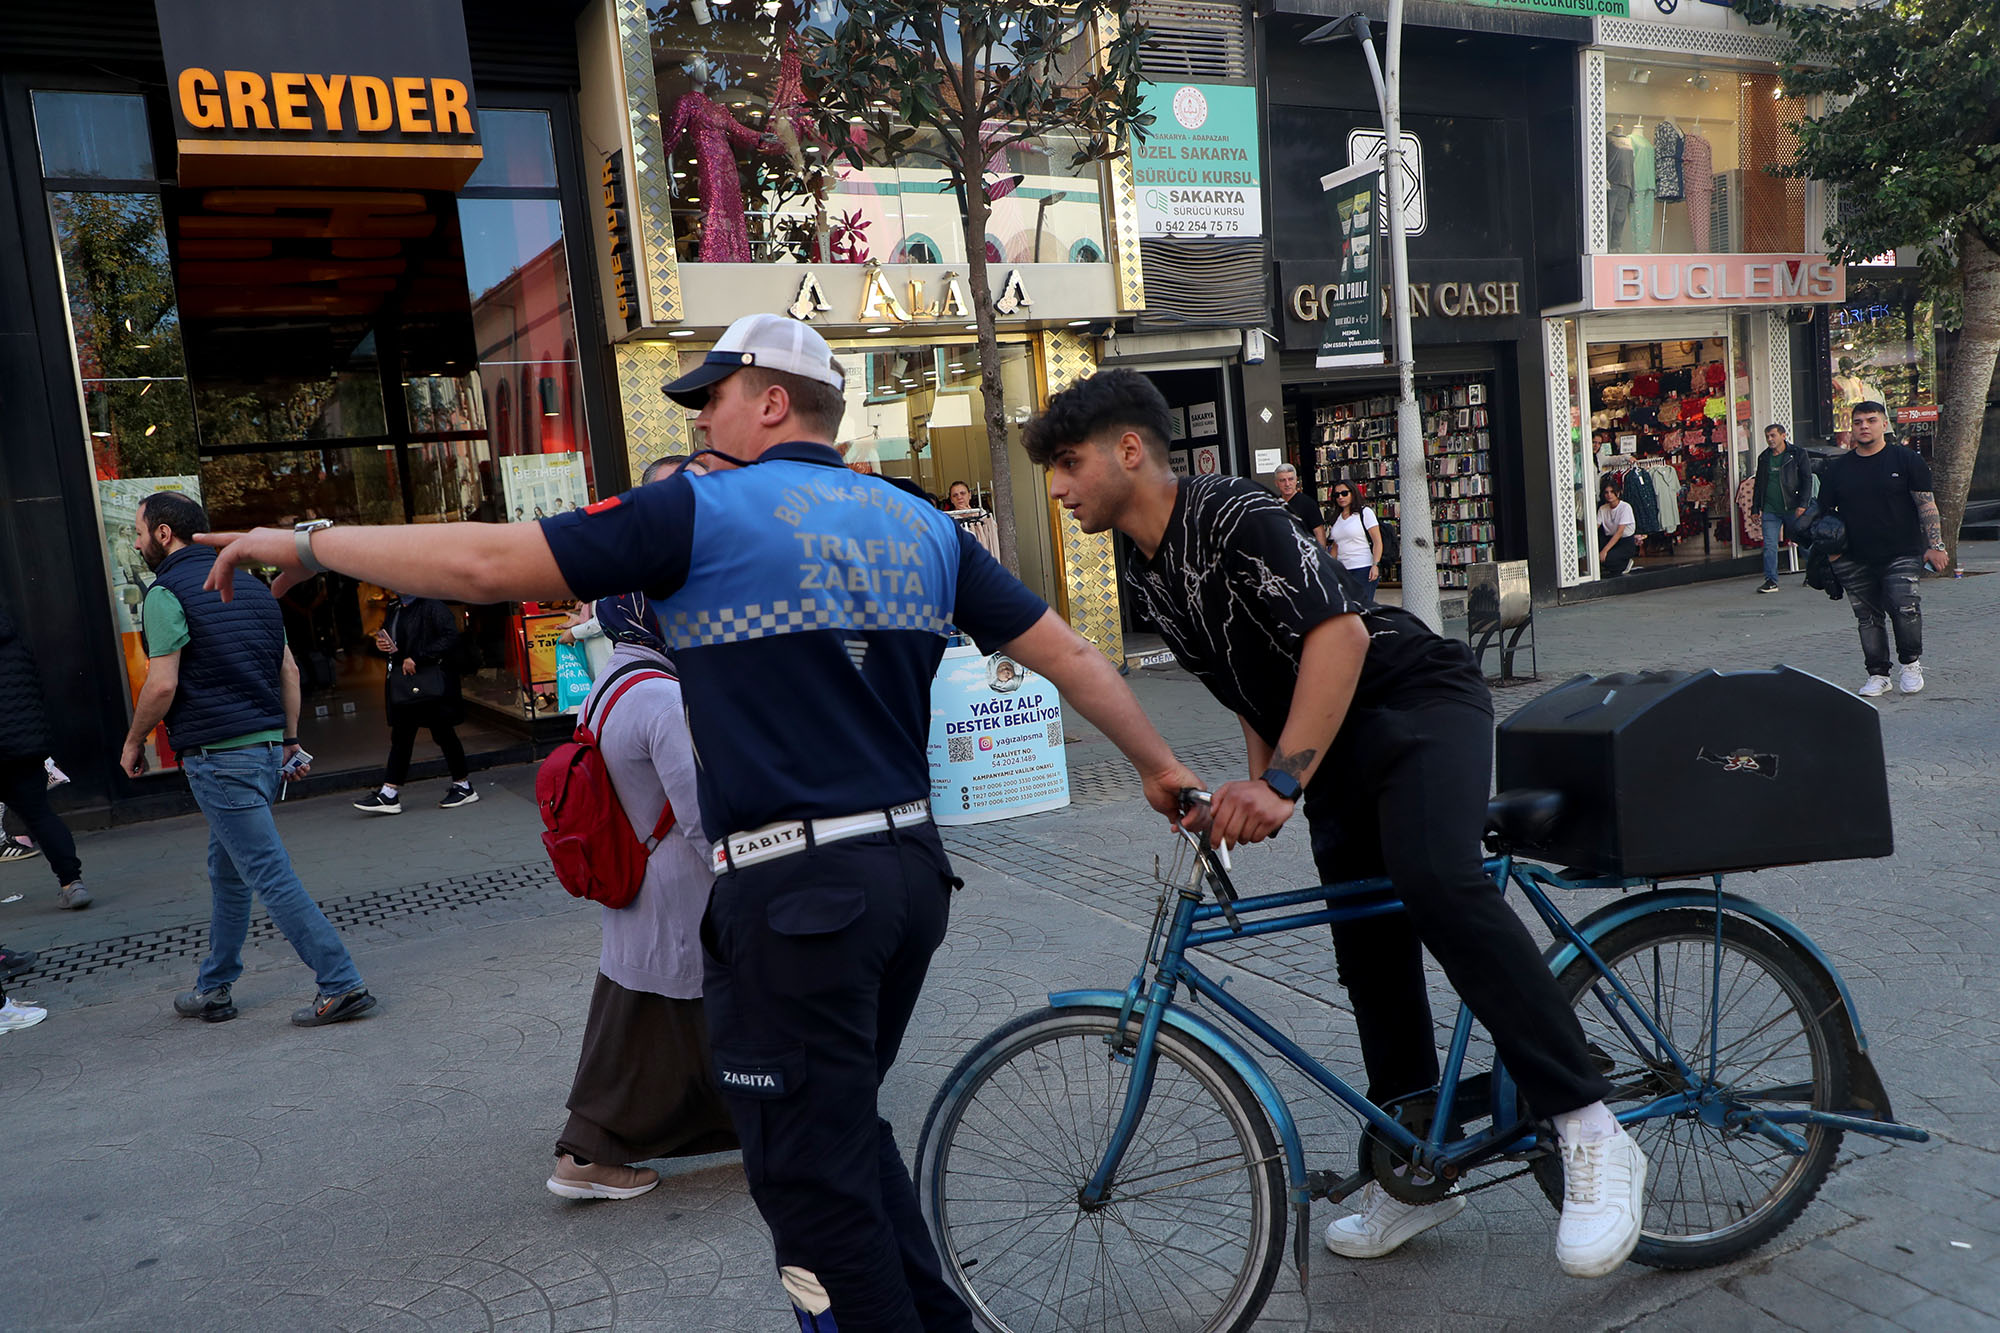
(1882,347)
(369,356)
(754,182)
(1689,148)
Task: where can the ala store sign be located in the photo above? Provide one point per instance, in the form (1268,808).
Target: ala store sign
(1651,282)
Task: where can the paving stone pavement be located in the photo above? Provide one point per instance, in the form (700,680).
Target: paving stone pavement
(162,1174)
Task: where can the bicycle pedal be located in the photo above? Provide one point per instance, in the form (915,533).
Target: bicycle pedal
(1333,1188)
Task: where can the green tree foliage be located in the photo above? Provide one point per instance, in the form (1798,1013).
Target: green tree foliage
(1909,133)
(955,84)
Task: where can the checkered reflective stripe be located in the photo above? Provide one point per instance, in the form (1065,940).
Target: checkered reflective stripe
(736,624)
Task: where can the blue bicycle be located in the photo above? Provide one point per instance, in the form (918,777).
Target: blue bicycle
(1116,1161)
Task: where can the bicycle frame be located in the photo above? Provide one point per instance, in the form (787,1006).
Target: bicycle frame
(1191,927)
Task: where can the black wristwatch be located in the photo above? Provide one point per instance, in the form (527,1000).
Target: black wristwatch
(1283,783)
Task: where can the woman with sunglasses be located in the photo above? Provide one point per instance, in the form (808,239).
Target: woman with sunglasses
(1357,539)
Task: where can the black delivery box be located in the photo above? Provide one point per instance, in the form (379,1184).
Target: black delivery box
(1671,774)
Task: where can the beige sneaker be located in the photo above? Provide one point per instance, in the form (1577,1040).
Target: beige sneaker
(599,1180)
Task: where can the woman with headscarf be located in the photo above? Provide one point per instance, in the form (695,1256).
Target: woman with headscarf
(645,1086)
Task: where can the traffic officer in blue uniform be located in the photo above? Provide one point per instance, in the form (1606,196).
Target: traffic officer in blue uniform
(807,607)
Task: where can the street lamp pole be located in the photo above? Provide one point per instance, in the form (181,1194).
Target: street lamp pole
(1413,491)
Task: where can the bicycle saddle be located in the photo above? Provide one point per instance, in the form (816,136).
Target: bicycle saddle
(1524,817)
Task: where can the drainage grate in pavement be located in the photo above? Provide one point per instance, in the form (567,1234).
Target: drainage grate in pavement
(72,962)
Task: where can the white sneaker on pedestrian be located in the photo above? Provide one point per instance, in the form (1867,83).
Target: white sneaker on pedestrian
(14,1015)
(1385,1222)
(1875,685)
(1911,678)
(1604,1198)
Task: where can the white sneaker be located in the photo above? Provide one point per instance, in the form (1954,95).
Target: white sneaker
(1604,1197)
(1875,685)
(1911,678)
(1385,1222)
(14,1016)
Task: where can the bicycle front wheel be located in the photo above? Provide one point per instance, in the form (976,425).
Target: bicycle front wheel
(1760,1016)
(1192,1234)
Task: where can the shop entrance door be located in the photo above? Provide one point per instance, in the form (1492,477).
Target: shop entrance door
(1668,419)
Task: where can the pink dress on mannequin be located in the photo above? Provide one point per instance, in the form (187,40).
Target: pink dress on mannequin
(1698,181)
(717,134)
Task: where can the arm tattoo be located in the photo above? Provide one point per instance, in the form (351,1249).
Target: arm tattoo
(1296,763)
(1927,516)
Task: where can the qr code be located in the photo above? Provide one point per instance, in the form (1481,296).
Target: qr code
(1055,732)
(958,749)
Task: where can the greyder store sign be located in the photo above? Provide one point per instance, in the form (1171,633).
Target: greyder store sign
(1197,172)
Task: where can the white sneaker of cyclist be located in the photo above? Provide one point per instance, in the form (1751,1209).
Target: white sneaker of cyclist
(1385,1222)
(1604,1200)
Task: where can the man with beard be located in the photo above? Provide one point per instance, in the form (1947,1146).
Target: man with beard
(222,678)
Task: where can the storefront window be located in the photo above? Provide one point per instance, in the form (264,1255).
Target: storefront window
(1882,347)
(1666,425)
(1688,154)
(752,182)
(915,411)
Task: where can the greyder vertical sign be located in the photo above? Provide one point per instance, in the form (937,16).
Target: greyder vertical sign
(1352,333)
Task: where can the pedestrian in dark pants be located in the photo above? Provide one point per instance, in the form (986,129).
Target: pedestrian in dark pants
(1784,485)
(1883,492)
(24,746)
(221,677)
(807,608)
(421,690)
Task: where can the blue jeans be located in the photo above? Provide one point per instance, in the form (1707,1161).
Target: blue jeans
(1362,583)
(235,789)
(1774,536)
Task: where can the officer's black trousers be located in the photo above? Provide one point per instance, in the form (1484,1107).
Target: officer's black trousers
(1406,797)
(814,962)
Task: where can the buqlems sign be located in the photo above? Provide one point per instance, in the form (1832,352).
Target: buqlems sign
(321,92)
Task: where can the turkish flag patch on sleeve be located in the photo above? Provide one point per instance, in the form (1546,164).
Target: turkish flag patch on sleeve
(608,502)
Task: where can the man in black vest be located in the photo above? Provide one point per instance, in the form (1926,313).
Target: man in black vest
(221,677)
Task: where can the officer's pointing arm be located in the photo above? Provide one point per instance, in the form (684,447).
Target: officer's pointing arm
(464,562)
(1092,686)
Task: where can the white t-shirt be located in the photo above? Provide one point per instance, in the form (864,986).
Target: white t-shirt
(1350,538)
(1613,517)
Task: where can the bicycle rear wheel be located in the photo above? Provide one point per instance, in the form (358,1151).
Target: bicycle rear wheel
(1193,1234)
(1713,1192)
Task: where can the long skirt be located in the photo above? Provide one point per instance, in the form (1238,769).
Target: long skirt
(645,1085)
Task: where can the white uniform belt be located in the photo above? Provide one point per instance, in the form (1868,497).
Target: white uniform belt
(795,835)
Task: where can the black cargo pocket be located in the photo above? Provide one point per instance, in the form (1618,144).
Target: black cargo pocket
(825,890)
(767,1074)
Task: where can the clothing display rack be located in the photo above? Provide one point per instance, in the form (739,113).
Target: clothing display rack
(1659,423)
(1355,442)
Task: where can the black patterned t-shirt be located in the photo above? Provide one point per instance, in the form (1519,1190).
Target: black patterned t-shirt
(1235,587)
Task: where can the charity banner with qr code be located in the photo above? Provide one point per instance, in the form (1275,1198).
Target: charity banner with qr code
(996,746)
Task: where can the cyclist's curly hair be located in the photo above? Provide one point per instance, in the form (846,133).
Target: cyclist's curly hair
(1122,398)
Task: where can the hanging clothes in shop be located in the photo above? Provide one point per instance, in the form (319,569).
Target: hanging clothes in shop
(1698,180)
(1645,190)
(1618,166)
(1667,145)
(1666,494)
(1636,489)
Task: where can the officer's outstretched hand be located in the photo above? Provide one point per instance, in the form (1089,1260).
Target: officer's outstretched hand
(1164,788)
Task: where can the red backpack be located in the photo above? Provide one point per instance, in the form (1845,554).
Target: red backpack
(590,841)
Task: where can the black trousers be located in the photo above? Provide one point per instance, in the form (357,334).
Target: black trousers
(1428,771)
(24,788)
(1619,558)
(814,962)
(404,724)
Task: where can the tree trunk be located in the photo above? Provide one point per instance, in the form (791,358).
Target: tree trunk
(1962,418)
(989,356)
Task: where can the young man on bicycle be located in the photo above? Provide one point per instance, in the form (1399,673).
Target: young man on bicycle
(1386,731)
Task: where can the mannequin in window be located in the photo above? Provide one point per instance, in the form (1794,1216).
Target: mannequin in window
(1618,183)
(725,238)
(1645,189)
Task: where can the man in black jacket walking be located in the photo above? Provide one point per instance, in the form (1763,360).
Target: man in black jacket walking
(24,744)
(1784,485)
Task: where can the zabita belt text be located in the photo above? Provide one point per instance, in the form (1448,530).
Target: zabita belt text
(796,835)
